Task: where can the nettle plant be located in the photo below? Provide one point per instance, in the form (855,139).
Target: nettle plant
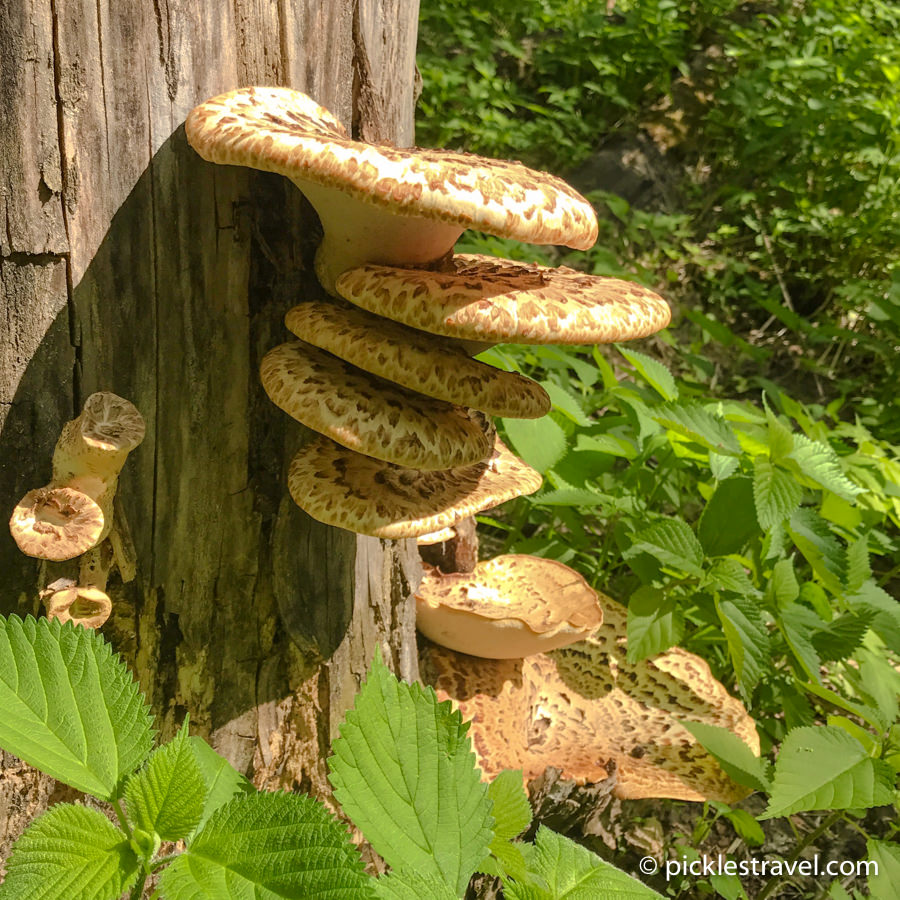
(758,543)
(403,771)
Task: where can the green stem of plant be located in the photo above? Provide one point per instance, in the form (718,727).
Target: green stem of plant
(814,835)
(139,887)
(162,861)
(120,814)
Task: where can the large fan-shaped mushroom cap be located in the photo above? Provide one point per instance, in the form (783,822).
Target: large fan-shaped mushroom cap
(488,300)
(583,706)
(509,607)
(370,415)
(348,490)
(415,360)
(380,203)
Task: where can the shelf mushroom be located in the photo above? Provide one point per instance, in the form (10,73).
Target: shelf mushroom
(582,707)
(74,513)
(511,606)
(399,207)
(87,606)
(489,300)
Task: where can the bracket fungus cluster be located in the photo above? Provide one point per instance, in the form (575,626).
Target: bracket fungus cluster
(380,370)
(587,711)
(73,515)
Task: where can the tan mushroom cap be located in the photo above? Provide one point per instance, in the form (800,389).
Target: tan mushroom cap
(436,537)
(415,360)
(348,490)
(95,444)
(582,707)
(87,606)
(281,130)
(370,415)
(480,298)
(509,607)
(56,523)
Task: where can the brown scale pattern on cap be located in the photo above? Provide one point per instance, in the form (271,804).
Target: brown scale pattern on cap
(579,708)
(371,415)
(56,523)
(415,360)
(348,490)
(510,606)
(284,131)
(480,298)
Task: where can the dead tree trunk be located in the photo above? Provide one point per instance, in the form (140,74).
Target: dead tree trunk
(128,264)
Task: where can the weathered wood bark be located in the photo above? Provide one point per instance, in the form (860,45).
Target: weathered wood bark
(128,264)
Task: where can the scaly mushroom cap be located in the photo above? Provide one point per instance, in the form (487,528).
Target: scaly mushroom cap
(95,444)
(509,607)
(371,415)
(480,298)
(85,606)
(348,490)
(281,130)
(415,360)
(582,707)
(56,523)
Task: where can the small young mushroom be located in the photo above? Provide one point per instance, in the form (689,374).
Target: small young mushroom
(348,490)
(87,606)
(489,300)
(379,203)
(370,415)
(509,607)
(436,537)
(583,707)
(74,512)
(420,362)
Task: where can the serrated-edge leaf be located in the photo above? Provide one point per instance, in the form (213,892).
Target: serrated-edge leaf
(883,885)
(403,770)
(776,493)
(269,845)
(699,425)
(654,372)
(798,625)
(814,539)
(747,637)
(672,542)
(511,809)
(221,779)
(826,768)
(70,851)
(819,463)
(728,520)
(70,706)
(166,797)
(542,443)
(655,623)
(572,872)
(737,760)
(784,582)
(408,884)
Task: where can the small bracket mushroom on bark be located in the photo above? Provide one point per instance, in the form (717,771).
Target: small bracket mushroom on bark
(75,514)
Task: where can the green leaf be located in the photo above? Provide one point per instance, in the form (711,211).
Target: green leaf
(408,884)
(732,754)
(819,463)
(220,778)
(784,582)
(404,771)
(572,872)
(70,852)
(883,886)
(166,796)
(699,425)
(776,493)
(728,520)
(729,576)
(566,403)
(268,846)
(748,639)
(826,768)
(810,532)
(655,623)
(798,625)
(540,442)
(722,467)
(842,635)
(573,497)
(858,571)
(654,372)
(70,707)
(511,809)
(886,621)
(781,438)
(672,542)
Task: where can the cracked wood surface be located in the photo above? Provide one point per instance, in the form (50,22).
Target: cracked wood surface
(128,264)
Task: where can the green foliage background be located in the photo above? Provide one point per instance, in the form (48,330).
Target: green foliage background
(735,479)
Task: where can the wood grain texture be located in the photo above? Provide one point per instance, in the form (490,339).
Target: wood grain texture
(128,264)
